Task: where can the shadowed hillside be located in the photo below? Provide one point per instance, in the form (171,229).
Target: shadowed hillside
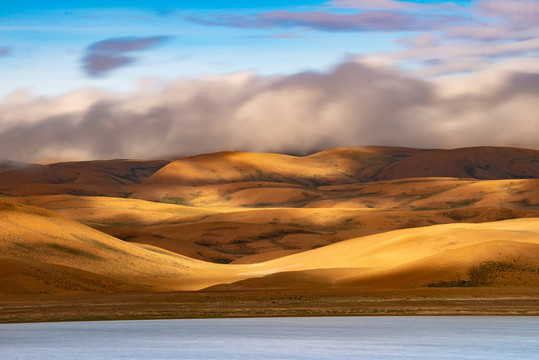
(6,165)
(343,218)
(106,178)
(351,165)
(331,167)
(504,253)
(45,253)
(243,235)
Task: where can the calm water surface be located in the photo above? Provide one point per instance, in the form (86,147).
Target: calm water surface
(488,337)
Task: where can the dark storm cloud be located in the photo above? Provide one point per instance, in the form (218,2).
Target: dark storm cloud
(106,55)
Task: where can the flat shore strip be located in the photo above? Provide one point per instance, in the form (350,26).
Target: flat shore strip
(274,303)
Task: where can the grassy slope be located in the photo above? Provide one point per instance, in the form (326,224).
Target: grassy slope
(252,208)
(224,234)
(411,258)
(36,236)
(71,257)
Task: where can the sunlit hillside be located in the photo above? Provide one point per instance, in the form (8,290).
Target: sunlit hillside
(46,253)
(343,218)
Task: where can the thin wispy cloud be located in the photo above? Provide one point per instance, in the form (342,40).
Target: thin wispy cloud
(449,38)
(388,5)
(104,56)
(495,30)
(526,11)
(368,21)
(5,51)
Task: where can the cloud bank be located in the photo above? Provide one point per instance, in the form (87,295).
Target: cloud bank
(354,104)
(104,56)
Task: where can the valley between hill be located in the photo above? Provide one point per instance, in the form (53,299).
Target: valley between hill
(239,229)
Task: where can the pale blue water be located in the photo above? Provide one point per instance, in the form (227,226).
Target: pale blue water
(488,337)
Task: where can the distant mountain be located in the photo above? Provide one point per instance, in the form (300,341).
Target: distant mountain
(351,165)
(331,167)
(6,165)
(78,178)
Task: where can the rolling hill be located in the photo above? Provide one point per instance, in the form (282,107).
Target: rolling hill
(363,217)
(46,253)
(331,167)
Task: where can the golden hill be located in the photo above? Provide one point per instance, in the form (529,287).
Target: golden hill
(45,252)
(353,217)
(63,256)
(245,235)
(404,194)
(155,179)
(504,253)
(350,165)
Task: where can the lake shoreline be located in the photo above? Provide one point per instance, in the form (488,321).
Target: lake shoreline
(274,303)
(308,338)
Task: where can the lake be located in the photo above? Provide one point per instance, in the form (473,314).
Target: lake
(392,337)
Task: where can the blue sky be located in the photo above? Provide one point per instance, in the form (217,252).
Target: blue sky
(45,42)
(139,79)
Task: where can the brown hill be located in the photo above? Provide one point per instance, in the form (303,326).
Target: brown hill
(331,167)
(77,178)
(279,219)
(228,234)
(350,165)
(6,165)
(486,163)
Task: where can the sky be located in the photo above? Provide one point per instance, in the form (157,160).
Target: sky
(139,79)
